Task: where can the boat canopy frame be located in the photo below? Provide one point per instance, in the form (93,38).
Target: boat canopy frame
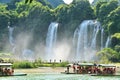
(5,64)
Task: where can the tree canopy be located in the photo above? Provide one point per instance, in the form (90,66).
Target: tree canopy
(36,15)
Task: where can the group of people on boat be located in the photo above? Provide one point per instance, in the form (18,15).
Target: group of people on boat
(82,68)
(109,70)
(6,71)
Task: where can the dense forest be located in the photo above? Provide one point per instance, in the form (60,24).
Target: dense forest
(36,16)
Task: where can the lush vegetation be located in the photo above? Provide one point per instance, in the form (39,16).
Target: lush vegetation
(36,16)
(23,64)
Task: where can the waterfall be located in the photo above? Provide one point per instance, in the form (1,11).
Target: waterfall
(51,40)
(85,39)
(11,39)
(82,39)
(95,33)
(102,34)
(107,42)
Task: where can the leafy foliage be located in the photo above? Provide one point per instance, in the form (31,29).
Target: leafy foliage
(82,10)
(104,9)
(113,21)
(115,39)
(108,54)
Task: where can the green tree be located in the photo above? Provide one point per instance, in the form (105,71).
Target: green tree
(113,20)
(82,10)
(4,16)
(108,54)
(63,13)
(117,48)
(104,9)
(115,40)
(12,4)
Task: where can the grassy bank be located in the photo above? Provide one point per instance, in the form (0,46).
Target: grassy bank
(28,64)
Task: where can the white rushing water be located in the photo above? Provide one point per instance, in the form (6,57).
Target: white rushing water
(51,40)
(96,26)
(108,42)
(11,39)
(85,40)
(102,37)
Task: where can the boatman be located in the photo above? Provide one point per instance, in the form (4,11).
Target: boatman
(68,69)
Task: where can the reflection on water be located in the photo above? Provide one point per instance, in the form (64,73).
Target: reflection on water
(58,77)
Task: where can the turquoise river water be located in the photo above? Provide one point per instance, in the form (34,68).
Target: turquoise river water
(58,76)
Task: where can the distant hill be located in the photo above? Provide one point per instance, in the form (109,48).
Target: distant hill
(5,1)
(55,3)
(95,1)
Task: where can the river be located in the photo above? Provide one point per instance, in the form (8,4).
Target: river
(54,74)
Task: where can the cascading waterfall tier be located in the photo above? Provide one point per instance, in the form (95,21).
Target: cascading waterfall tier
(51,40)
(87,40)
(108,42)
(11,38)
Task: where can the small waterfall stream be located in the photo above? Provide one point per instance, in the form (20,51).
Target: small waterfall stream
(107,42)
(102,38)
(96,26)
(11,38)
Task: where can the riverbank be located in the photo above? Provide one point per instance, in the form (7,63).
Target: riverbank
(41,70)
(49,70)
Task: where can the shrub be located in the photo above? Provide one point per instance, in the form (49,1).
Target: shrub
(23,64)
(62,64)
